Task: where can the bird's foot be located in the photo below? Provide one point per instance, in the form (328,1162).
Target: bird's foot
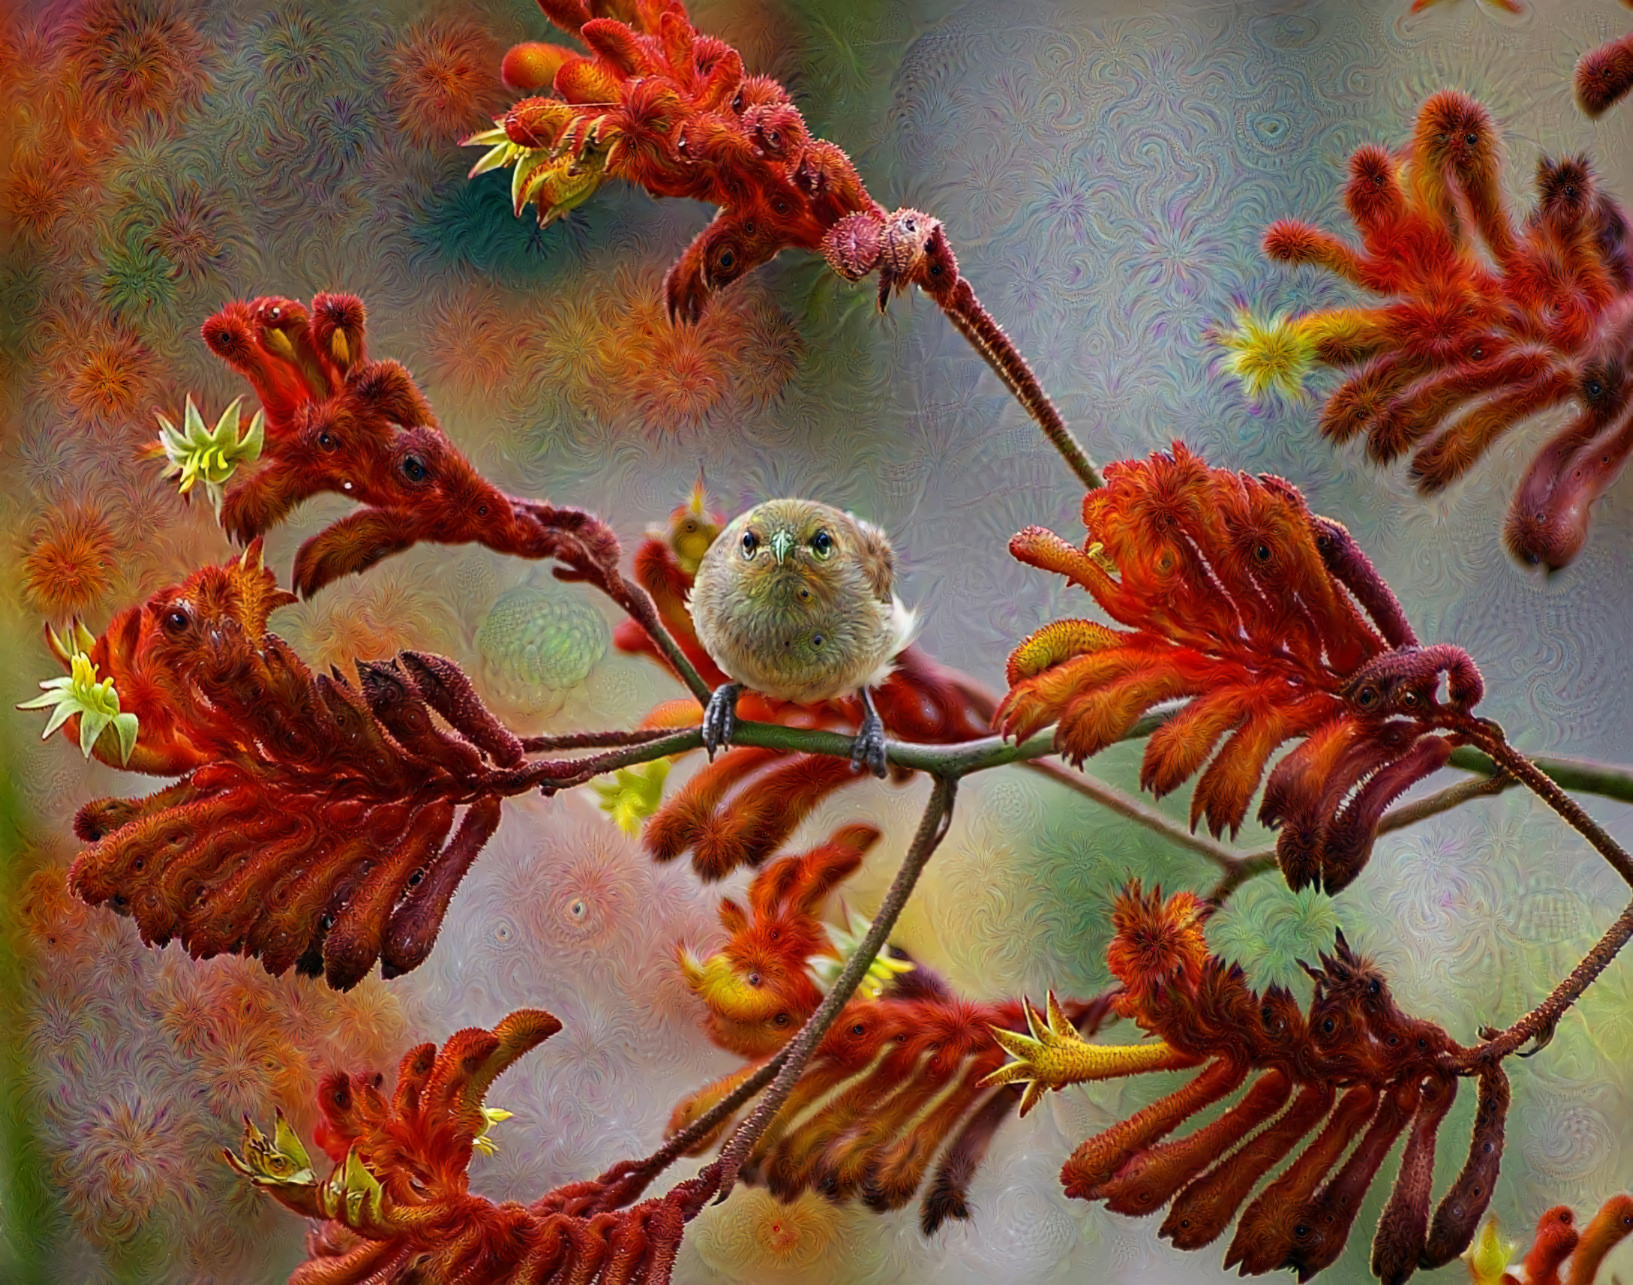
(869,745)
(720,718)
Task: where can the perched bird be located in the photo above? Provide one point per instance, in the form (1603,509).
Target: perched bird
(794,601)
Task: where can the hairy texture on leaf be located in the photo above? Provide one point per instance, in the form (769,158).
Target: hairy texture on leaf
(397,1202)
(1273,625)
(1364,1073)
(893,1079)
(1469,344)
(338,422)
(314,826)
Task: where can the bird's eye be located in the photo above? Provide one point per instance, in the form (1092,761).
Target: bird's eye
(754,979)
(781,1019)
(1594,388)
(1471,139)
(728,259)
(751,544)
(1328,1026)
(822,543)
(816,640)
(481,510)
(176,620)
(414,469)
(859,1030)
(328,441)
(689,526)
(1261,553)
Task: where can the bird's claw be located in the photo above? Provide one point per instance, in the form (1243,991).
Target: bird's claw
(720,718)
(869,745)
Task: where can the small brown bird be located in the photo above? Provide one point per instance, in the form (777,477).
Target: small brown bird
(794,601)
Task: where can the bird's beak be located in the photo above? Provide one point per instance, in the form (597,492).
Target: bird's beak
(782,544)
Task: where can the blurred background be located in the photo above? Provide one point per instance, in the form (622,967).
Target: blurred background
(1105,171)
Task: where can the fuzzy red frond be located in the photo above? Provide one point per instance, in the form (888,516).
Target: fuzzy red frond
(317,823)
(338,422)
(894,1083)
(1488,322)
(756,986)
(1271,623)
(1155,943)
(1357,1071)
(398,1200)
(659,105)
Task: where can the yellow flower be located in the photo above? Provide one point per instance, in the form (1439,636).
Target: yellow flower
(1268,355)
(210,455)
(96,703)
(1055,1056)
(1489,1255)
(633,794)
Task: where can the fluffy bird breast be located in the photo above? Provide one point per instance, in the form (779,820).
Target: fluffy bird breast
(794,600)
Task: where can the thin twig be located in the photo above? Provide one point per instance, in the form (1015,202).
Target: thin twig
(1445,800)
(638,603)
(1539,1023)
(987,337)
(633,1176)
(1491,739)
(1131,809)
(594,740)
(932,829)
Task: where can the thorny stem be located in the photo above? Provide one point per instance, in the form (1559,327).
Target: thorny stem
(932,829)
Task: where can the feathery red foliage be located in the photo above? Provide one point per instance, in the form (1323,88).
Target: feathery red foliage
(659,105)
(756,986)
(894,1082)
(312,824)
(1356,1063)
(892,1079)
(339,422)
(1469,344)
(1242,600)
(398,1206)
(740,808)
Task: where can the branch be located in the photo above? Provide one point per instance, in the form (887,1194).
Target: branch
(987,337)
(932,829)
(638,603)
(1491,739)
(1539,1023)
(1132,809)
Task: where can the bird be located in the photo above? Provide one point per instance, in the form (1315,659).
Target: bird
(794,600)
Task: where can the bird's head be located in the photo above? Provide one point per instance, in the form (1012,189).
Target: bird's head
(789,541)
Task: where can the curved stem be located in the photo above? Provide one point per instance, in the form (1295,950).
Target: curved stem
(932,829)
(1490,738)
(638,603)
(1539,1023)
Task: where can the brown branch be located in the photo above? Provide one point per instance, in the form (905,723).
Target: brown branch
(594,740)
(638,603)
(1132,809)
(987,337)
(1539,1023)
(1490,738)
(932,829)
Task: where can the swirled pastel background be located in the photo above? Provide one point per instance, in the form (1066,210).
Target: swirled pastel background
(1104,170)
